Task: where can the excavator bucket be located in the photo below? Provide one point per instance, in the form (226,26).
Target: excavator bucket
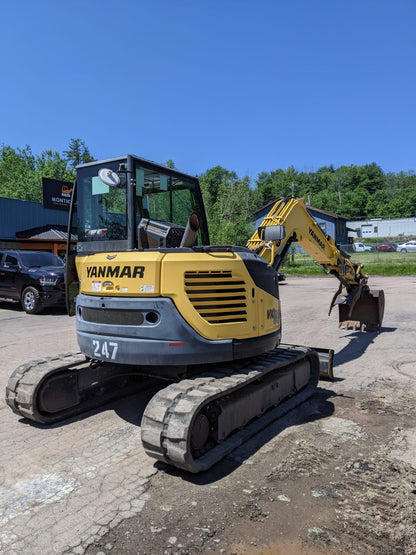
(365,312)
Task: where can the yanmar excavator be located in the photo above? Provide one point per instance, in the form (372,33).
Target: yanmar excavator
(153,298)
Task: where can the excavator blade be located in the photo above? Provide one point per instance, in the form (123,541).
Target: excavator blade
(365,312)
(326,362)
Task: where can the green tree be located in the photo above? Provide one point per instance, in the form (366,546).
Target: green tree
(18,174)
(51,164)
(371,177)
(354,203)
(77,153)
(326,199)
(21,171)
(233,213)
(226,198)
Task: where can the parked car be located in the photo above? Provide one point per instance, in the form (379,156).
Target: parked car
(361,247)
(386,246)
(410,246)
(281,276)
(34,278)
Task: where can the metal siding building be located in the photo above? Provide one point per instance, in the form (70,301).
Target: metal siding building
(378,227)
(26,224)
(19,215)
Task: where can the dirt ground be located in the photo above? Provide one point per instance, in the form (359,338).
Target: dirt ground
(335,476)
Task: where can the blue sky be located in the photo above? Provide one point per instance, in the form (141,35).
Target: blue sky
(250,85)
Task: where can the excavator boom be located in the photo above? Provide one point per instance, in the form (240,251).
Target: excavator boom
(289,221)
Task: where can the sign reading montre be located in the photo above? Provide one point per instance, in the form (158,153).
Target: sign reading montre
(56,194)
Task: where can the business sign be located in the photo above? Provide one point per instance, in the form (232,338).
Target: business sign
(56,194)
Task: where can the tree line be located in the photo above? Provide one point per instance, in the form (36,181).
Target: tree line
(355,192)
(21,171)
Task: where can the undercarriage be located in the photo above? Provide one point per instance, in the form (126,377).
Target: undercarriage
(193,422)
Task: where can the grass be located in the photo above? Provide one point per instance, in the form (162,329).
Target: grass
(375,263)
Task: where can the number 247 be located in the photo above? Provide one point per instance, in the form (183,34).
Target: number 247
(105,349)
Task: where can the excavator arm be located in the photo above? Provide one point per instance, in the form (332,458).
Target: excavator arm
(289,221)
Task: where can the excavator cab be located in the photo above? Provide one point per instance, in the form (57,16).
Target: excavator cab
(129,203)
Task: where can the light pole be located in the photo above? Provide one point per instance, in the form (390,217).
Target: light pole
(377,220)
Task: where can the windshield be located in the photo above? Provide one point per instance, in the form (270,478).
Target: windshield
(35,259)
(163,203)
(101,209)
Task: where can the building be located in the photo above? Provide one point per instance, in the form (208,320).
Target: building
(389,228)
(331,224)
(26,225)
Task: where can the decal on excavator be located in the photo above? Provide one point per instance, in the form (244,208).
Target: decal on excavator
(273,314)
(115,271)
(317,239)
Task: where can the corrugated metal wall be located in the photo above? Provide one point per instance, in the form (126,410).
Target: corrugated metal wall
(18,215)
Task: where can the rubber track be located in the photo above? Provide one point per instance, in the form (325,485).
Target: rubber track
(23,384)
(168,418)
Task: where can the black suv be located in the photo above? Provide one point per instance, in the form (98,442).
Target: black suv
(35,278)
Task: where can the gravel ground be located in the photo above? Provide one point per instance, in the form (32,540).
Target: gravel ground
(337,475)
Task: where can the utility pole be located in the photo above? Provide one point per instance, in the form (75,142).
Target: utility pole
(293,189)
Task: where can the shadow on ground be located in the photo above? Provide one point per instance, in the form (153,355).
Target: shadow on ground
(358,343)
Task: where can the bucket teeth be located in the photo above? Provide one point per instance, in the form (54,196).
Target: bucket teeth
(353,324)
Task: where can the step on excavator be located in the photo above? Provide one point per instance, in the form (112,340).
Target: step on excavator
(154,300)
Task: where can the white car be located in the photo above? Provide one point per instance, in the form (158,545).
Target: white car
(361,247)
(410,246)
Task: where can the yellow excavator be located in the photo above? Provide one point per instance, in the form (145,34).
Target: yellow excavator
(155,301)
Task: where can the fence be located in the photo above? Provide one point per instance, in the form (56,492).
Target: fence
(380,253)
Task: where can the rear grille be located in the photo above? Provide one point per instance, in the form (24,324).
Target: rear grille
(113,317)
(217,296)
